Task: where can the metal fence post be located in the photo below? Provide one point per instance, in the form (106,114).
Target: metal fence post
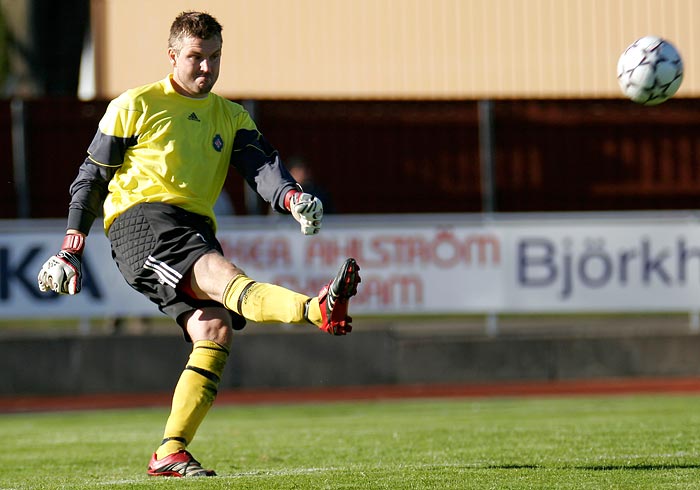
(488,184)
(19,158)
(486,156)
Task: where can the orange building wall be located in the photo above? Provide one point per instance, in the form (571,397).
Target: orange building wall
(409,49)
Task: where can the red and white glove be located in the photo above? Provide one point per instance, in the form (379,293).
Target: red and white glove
(307,210)
(61,273)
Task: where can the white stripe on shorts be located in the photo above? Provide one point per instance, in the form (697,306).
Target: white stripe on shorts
(166,274)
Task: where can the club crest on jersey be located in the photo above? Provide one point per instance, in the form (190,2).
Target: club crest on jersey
(218,143)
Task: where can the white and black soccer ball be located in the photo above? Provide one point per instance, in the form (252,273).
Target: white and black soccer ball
(650,70)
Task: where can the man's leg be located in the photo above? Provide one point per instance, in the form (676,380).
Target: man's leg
(267,302)
(214,277)
(194,393)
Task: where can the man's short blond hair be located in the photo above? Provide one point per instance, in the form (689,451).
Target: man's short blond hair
(193,24)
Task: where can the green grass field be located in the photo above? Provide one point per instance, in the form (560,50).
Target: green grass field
(631,442)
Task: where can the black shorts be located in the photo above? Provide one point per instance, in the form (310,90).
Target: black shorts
(155,245)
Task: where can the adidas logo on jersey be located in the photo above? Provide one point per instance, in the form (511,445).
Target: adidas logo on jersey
(193,117)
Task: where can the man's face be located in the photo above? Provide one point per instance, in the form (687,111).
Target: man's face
(196,66)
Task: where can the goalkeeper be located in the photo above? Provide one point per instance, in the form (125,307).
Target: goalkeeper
(155,169)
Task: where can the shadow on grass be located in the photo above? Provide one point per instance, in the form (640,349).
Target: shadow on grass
(601,467)
(643,467)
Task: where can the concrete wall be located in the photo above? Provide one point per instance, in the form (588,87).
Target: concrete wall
(130,364)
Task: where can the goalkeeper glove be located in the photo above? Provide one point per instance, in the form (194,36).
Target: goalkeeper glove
(307,210)
(61,273)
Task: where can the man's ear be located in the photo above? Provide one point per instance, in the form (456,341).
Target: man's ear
(172,56)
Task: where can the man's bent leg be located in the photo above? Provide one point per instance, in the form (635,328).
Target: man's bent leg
(215,278)
(263,302)
(267,302)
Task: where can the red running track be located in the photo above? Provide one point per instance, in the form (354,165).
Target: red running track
(17,404)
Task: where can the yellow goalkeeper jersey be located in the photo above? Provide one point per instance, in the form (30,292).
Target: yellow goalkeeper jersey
(169,148)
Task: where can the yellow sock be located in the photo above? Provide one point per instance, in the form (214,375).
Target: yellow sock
(314,312)
(194,394)
(263,302)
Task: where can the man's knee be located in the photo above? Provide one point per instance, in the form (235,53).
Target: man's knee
(210,324)
(209,276)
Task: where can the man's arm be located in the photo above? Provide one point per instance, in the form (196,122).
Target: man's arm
(62,272)
(88,192)
(260,165)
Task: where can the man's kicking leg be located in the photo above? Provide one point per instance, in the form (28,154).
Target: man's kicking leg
(262,302)
(214,277)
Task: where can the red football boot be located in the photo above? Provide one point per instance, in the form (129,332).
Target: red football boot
(334,299)
(178,464)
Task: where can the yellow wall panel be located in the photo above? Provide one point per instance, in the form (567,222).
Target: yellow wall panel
(399,48)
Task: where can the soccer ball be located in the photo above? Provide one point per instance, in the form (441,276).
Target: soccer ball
(650,70)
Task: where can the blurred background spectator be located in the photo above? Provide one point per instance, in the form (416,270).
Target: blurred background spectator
(303,174)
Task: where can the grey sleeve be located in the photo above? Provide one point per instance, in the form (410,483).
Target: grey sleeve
(260,165)
(89,189)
